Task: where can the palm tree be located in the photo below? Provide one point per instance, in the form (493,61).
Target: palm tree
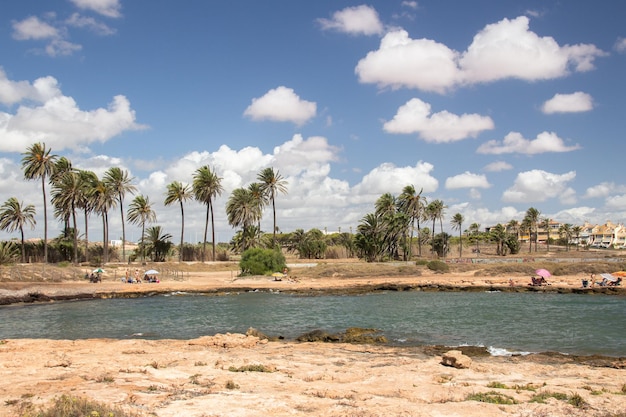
(88,181)
(271,184)
(37,163)
(103,198)
(176,191)
(159,243)
(119,181)
(207,185)
(566,232)
(66,191)
(243,211)
(531,219)
(141,212)
(434,211)
(545,225)
(412,204)
(61,167)
(475,233)
(14,216)
(577,230)
(457,224)
(260,199)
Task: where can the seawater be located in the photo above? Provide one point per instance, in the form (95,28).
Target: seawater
(504,322)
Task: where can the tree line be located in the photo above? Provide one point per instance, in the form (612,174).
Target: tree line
(391,231)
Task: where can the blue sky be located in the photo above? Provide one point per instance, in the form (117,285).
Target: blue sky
(491,106)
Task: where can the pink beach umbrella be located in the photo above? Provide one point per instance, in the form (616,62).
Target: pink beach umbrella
(543,273)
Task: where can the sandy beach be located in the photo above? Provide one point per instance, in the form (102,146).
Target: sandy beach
(239,375)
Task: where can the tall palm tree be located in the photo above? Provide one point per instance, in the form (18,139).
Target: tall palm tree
(566,232)
(207,185)
(532,219)
(412,204)
(545,225)
(14,216)
(178,192)
(104,198)
(119,181)
(243,211)
(66,191)
(271,184)
(88,181)
(457,224)
(577,230)
(61,167)
(38,163)
(159,243)
(435,211)
(141,212)
(260,199)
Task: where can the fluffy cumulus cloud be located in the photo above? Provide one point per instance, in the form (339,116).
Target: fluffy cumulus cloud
(108,8)
(514,142)
(604,189)
(400,61)
(467,180)
(415,117)
(568,103)
(281,104)
(358,20)
(620,45)
(506,49)
(388,178)
(538,186)
(45,114)
(33,28)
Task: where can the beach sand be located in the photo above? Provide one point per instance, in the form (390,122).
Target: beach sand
(219,375)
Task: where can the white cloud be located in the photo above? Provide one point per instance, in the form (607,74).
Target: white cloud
(538,186)
(514,142)
(48,115)
(604,189)
(389,178)
(620,45)
(33,28)
(76,20)
(506,49)
(358,20)
(410,4)
(108,8)
(467,180)
(281,104)
(413,63)
(568,103)
(415,117)
(498,166)
(616,202)
(60,47)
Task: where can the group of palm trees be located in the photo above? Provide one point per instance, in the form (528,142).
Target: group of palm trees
(76,189)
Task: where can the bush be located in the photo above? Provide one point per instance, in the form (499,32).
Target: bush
(257,261)
(68,406)
(438,266)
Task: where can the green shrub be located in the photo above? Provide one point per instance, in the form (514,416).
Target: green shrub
(68,406)
(257,261)
(438,266)
(421,262)
(543,396)
(492,397)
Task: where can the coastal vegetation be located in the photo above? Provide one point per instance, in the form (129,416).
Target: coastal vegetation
(397,228)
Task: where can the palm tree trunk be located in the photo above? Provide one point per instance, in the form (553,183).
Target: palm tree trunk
(212,230)
(75,238)
(123,232)
(206,227)
(45,220)
(182,231)
(86,238)
(274,229)
(23,249)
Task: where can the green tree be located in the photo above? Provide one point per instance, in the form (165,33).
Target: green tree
(207,185)
(545,225)
(257,261)
(66,192)
(272,183)
(441,244)
(38,163)
(566,233)
(140,212)
(177,192)
(119,181)
(577,230)
(158,243)
(14,216)
(103,198)
(474,230)
(531,219)
(243,210)
(86,201)
(412,204)
(457,224)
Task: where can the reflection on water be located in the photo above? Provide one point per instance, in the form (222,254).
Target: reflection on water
(523,322)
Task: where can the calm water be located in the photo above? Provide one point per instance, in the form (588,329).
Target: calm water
(509,322)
